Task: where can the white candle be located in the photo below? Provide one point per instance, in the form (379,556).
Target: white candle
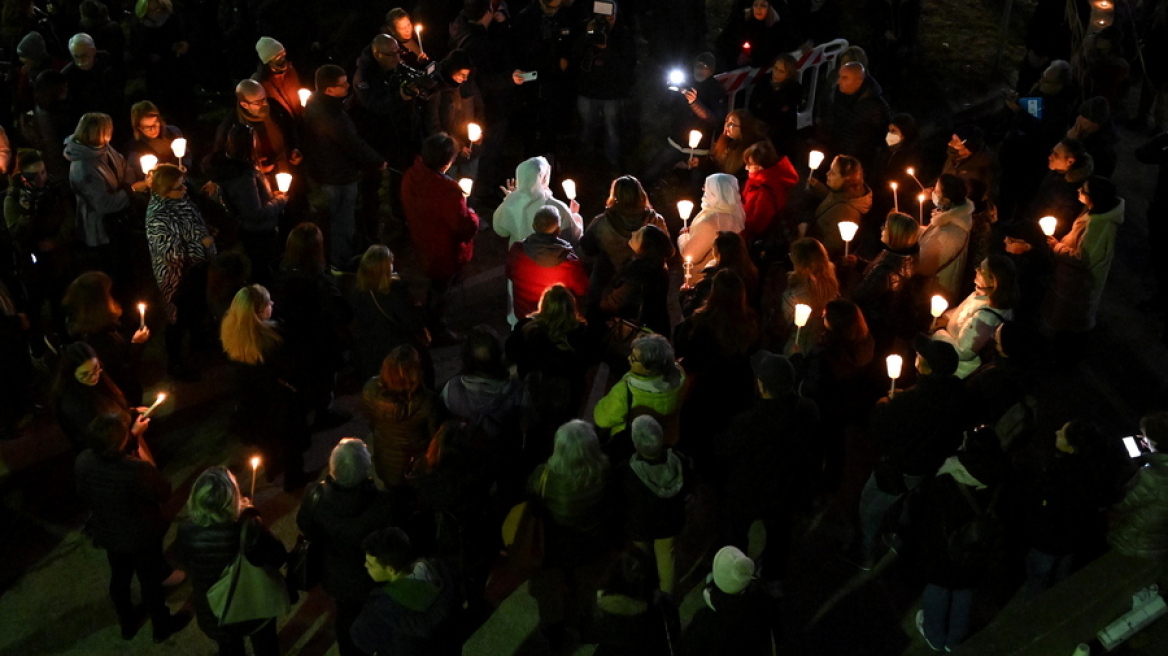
(142,312)
(815,159)
(284,182)
(569,188)
(474,132)
(895,199)
(695,138)
(913,174)
(1048,225)
(148,162)
(418,32)
(802,314)
(688,268)
(895,362)
(921,208)
(179,147)
(938,305)
(848,233)
(467,184)
(304,94)
(685,210)
(157,402)
(255,464)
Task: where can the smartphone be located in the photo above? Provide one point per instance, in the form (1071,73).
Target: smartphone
(602,8)
(529,76)
(1137,445)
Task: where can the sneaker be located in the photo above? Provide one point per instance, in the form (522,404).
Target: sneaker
(921,630)
(175,579)
(171,625)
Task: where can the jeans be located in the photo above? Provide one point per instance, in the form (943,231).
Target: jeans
(594,115)
(151,568)
(874,505)
(1044,570)
(946,615)
(342,204)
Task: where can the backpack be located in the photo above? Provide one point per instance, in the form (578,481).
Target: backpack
(979,542)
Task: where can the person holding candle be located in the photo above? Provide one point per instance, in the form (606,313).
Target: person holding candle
(94,317)
(276,135)
(278,76)
(181,247)
(968,158)
(152,136)
(970,326)
(890,293)
(1083,259)
(811,282)
(605,243)
(526,194)
(730,253)
(770,178)
(944,243)
(454,104)
(721,210)
(83,391)
(126,494)
(759,24)
(401,28)
(221,523)
(640,289)
(843,197)
(740,131)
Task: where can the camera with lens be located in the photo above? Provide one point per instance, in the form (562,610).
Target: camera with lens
(415,83)
(598,27)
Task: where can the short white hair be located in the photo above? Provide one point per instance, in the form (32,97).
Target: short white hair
(648,436)
(350,463)
(81,39)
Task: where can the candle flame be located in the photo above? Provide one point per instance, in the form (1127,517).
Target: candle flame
(920,198)
(284,182)
(148,163)
(910,171)
(895,363)
(939,305)
(893,185)
(1048,225)
(815,159)
(304,94)
(695,138)
(802,314)
(255,462)
(466,184)
(141,308)
(418,28)
(161,397)
(848,229)
(569,189)
(474,132)
(179,147)
(746,46)
(685,208)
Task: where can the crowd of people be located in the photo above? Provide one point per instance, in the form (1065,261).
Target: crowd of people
(744,353)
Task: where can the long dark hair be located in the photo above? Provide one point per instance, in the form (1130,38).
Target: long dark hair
(305,248)
(727,316)
(732,255)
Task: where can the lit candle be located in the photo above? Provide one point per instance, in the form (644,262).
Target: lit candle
(418,31)
(255,465)
(913,174)
(802,314)
(304,94)
(474,132)
(746,48)
(895,198)
(815,159)
(157,402)
(466,184)
(569,189)
(939,305)
(1048,225)
(847,231)
(179,147)
(688,268)
(148,163)
(284,182)
(142,313)
(685,210)
(695,138)
(1104,4)
(895,362)
(921,209)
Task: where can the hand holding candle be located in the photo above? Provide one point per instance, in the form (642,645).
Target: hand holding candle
(1048,225)
(179,147)
(466,184)
(148,162)
(255,465)
(157,402)
(569,188)
(895,362)
(283,182)
(474,132)
(938,306)
(142,313)
(847,231)
(304,94)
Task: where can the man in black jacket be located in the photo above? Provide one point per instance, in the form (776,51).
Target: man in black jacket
(125,493)
(858,115)
(914,431)
(766,457)
(336,155)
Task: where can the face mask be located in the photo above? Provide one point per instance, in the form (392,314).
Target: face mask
(892,138)
(936,198)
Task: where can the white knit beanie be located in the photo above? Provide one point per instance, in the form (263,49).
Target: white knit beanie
(267,48)
(732,570)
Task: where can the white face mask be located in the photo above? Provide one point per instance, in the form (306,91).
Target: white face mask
(892,138)
(936,199)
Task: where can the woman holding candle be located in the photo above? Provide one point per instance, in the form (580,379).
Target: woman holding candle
(770,178)
(180,250)
(83,392)
(270,408)
(152,136)
(754,34)
(730,254)
(970,326)
(811,282)
(844,197)
(94,317)
(891,295)
(220,523)
(639,291)
(606,241)
(721,210)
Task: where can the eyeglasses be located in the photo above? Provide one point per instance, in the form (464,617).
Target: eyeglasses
(733,125)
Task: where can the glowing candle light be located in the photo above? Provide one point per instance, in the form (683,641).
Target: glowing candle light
(1048,225)
(157,402)
(685,210)
(815,159)
(695,138)
(746,47)
(802,314)
(148,162)
(895,362)
(688,268)
(467,184)
(913,174)
(921,209)
(418,32)
(284,182)
(255,465)
(847,231)
(895,198)
(304,94)
(938,305)
(142,313)
(569,189)
(474,132)
(179,147)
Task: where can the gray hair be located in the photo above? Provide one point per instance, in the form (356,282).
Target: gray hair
(81,39)
(350,462)
(656,354)
(576,456)
(648,437)
(215,498)
(1062,68)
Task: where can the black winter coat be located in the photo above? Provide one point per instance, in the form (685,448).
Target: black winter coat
(858,122)
(125,495)
(337,523)
(922,425)
(333,150)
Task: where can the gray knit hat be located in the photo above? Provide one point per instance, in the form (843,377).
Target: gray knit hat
(32,46)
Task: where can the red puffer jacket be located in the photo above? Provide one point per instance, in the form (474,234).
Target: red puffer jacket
(765,195)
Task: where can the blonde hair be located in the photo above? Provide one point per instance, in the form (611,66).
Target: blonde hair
(814,270)
(215,498)
(94,130)
(902,231)
(375,272)
(164,178)
(245,336)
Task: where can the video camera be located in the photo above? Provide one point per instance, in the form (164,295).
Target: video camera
(415,83)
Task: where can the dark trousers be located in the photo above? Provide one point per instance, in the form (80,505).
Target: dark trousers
(347,612)
(263,249)
(264,642)
(151,568)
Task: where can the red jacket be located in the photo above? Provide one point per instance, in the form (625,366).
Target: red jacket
(539,262)
(441,225)
(765,195)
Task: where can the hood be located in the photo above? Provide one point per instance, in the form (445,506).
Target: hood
(653,385)
(32,46)
(76,152)
(861,201)
(665,479)
(958,215)
(486,386)
(625,224)
(418,591)
(780,176)
(547,250)
(618,604)
(1114,215)
(531,176)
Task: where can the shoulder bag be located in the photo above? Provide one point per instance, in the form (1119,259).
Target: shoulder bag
(246,592)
